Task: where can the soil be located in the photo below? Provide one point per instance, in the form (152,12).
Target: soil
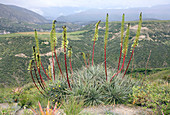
(98,110)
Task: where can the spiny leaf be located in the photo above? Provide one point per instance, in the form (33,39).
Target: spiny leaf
(53,38)
(126,42)
(107,29)
(96,31)
(138,31)
(122,28)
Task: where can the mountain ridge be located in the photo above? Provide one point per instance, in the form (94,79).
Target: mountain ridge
(19,14)
(155,12)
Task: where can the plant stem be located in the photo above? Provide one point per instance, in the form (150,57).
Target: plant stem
(105,61)
(42,81)
(93,52)
(147,66)
(45,71)
(120,68)
(71,67)
(129,62)
(105,42)
(38,79)
(64,43)
(66,67)
(95,38)
(121,39)
(58,62)
(53,65)
(34,82)
(120,56)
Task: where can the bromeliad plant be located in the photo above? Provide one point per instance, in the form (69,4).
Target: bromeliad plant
(36,64)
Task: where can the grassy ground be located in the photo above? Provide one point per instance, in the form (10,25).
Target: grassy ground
(46,35)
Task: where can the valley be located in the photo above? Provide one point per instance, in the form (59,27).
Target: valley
(16,48)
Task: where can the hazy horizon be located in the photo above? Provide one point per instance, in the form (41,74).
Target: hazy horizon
(37,5)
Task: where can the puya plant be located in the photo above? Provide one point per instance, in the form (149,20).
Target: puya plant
(36,61)
(36,64)
(126,45)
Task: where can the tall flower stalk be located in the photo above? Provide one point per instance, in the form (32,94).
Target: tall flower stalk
(53,40)
(121,40)
(84,57)
(135,42)
(105,44)
(65,43)
(69,55)
(95,39)
(125,48)
(30,69)
(38,58)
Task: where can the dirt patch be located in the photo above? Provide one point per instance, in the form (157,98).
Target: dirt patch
(58,51)
(117,110)
(136,27)
(21,55)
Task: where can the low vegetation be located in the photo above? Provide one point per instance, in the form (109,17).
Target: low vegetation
(96,83)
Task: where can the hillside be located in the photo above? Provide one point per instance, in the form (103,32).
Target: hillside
(18,14)
(16,49)
(156,12)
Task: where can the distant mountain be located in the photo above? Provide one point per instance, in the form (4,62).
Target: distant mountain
(18,14)
(54,12)
(157,12)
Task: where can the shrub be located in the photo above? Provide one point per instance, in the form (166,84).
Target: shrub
(153,95)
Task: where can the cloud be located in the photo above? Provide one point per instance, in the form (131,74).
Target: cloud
(85,3)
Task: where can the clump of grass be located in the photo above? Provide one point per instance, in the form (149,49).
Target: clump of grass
(72,106)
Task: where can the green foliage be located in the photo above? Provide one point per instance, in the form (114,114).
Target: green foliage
(91,86)
(153,95)
(72,105)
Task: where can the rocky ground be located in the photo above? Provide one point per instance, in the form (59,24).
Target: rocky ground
(99,110)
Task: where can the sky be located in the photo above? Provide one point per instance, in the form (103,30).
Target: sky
(35,5)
